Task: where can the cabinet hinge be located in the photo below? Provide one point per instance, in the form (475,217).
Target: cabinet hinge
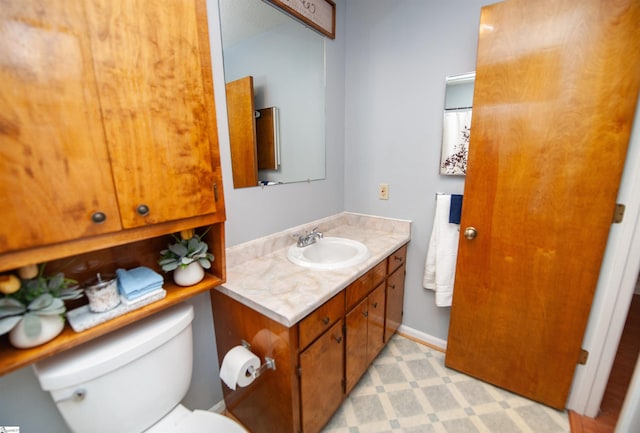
(215,191)
(582,359)
(618,215)
(299,371)
(344,386)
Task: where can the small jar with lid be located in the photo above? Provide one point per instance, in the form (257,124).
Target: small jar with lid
(102,292)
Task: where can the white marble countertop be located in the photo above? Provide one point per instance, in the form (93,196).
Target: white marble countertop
(260,276)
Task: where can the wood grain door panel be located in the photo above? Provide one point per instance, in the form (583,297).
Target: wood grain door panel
(395,300)
(242,132)
(152,64)
(375,325)
(356,349)
(555,93)
(54,174)
(321,378)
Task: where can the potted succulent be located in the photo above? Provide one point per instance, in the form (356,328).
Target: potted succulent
(32,308)
(186,258)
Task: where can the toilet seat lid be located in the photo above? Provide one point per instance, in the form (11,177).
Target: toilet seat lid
(198,421)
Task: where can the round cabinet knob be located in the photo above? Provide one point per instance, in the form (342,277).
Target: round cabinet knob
(98,217)
(143,210)
(470,233)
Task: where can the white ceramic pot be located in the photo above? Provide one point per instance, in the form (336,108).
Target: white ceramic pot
(189,275)
(51,326)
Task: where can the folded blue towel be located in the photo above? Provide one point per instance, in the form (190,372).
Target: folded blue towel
(456,209)
(138,281)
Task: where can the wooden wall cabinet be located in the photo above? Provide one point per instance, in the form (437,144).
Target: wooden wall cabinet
(107,125)
(318,360)
(108,145)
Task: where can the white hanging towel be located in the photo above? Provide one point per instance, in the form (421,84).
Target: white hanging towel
(440,265)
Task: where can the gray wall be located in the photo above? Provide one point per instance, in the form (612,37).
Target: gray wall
(385,100)
(398,55)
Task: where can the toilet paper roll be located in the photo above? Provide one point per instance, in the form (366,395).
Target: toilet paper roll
(238,366)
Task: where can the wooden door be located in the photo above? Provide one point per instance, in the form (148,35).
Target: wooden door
(375,324)
(242,132)
(356,345)
(555,93)
(267,139)
(395,299)
(153,69)
(54,163)
(321,375)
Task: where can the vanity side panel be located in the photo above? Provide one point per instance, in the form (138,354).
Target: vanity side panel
(268,404)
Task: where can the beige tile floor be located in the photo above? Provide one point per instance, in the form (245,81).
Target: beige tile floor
(409,390)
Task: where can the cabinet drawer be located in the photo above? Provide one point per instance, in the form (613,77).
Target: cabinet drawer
(321,319)
(366,283)
(397,259)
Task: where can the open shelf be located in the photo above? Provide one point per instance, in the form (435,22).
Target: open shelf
(12,359)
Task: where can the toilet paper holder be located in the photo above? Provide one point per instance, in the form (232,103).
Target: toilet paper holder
(269,363)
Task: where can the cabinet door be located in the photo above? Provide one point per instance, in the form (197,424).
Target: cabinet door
(395,298)
(153,70)
(375,325)
(356,349)
(54,164)
(321,375)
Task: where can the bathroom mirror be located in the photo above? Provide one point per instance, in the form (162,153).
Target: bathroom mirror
(286,65)
(456,126)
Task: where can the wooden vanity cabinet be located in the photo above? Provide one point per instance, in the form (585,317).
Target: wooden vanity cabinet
(107,125)
(320,359)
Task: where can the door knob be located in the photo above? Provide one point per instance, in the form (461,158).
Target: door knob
(470,233)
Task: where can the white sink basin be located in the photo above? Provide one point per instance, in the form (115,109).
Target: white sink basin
(329,253)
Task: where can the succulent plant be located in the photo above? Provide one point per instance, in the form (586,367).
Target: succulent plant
(39,296)
(184,252)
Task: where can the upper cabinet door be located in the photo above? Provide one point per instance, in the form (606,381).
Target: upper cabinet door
(153,70)
(54,164)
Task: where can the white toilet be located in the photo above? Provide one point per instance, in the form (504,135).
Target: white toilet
(131,380)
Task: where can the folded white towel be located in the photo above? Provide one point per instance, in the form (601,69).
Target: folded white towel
(440,265)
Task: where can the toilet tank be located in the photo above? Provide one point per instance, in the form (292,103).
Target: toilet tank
(127,380)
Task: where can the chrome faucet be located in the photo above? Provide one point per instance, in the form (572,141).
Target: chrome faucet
(308,238)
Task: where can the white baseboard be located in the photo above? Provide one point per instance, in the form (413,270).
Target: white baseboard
(429,340)
(219,407)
